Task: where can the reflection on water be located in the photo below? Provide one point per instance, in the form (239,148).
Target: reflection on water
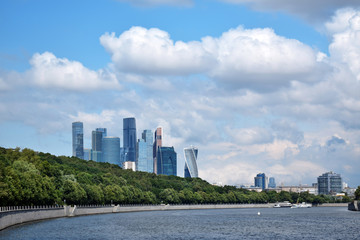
(309,223)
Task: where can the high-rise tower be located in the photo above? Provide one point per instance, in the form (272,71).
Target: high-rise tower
(190,169)
(111,150)
(129,139)
(144,152)
(96,145)
(157,144)
(329,183)
(166,161)
(261,181)
(78,139)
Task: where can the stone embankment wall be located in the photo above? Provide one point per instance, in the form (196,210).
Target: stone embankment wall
(354,206)
(10,217)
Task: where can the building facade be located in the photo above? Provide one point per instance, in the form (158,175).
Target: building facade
(96,145)
(190,169)
(78,140)
(103,130)
(87,154)
(329,183)
(144,152)
(261,181)
(166,161)
(272,183)
(157,144)
(129,139)
(111,150)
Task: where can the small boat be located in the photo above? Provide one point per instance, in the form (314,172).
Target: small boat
(302,205)
(285,204)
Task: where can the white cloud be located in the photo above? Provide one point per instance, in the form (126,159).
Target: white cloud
(310,10)
(256,58)
(151,51)
(51,72)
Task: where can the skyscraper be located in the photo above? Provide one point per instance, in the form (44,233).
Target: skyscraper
(78,139)
(190,169)
(96,146)
(166,161)
(129,135)
(272,183)
(111,150)
(329,183)
(103,130)
(261,181)
(144,152)
(157,144)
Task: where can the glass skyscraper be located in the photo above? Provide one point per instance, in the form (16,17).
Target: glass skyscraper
(96,145)
(111,150)
(78,140)
(329,183)
(166,161)
(272,183)
(261,181)
(103,130)
(190,169)
(144,152)
(129,135)
(157,144)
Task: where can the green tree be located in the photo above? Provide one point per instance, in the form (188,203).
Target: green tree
(357,193)
(73,193)
(169,195)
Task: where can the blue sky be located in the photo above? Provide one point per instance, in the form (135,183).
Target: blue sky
(258,86)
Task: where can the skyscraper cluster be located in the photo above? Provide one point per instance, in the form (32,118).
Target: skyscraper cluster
(144,154)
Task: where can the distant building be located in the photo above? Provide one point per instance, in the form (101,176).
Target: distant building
(144,152)
(111,150)
(96,145)
(272,183)
(87,154)
(261,181)
(78,140)
(129,165)
(129,139)
(166,161)
(157,144)
(190,169)
(329,183)
(103,130)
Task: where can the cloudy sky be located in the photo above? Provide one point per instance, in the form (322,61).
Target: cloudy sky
(257,85)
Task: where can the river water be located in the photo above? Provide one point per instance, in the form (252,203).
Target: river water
(272,223)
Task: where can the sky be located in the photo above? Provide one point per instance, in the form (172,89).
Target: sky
(258,86)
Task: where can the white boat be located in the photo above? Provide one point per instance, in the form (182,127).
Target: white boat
(302,205)
(285,204)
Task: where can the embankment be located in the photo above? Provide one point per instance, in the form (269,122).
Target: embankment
(10,218)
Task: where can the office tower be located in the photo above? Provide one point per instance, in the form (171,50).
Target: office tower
(129,135)
(166,161)
(272,183)
(144,152)
(157,144)
(78,139)
(261,181)
(87,154)
(103,130)
(129,165)
(96,146)
(111,150)
(329,183)
(190,169)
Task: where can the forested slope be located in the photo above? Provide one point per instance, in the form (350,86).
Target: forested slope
(34,178)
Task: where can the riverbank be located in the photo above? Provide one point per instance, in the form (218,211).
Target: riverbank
(11,218)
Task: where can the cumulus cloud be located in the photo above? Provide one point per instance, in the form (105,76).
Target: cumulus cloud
(308,9)
(255,58)
(151,51)
(51,72)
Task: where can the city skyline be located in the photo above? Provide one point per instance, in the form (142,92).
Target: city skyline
(258,86)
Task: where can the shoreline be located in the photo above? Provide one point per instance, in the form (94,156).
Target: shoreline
(12,218)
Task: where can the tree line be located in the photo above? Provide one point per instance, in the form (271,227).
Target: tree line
(35,178)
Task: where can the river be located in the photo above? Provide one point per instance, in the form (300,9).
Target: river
(272,223)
